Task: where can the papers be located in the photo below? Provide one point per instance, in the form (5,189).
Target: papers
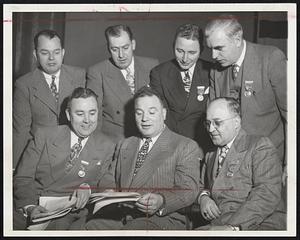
(56,206)
(105,198)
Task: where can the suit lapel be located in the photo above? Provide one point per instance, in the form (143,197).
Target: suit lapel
(128,158)
(251,72)
(115,80)
(42,91)
(211,168)
(60,151)
(65,85)
(157,155)
(139,74)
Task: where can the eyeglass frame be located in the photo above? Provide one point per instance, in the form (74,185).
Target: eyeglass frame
(207,123)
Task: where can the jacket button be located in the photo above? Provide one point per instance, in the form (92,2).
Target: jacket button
(118,112)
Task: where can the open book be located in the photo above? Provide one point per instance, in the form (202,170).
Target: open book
(105,198)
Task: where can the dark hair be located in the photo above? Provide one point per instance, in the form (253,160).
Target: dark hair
(116,30)
(49,34)
(148,91)
(190,31)
(232,104)
(81,92)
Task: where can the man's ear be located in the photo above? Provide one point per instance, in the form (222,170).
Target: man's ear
(133,44)
(68,114)
(63,52)
(164,113)
(238,38)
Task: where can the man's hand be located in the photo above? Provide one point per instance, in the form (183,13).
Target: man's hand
(35,212)
(149,203)
(82,195)
(209,209)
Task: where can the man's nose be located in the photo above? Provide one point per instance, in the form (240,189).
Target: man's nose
(86,118)
(121,53)
(211,127)
(51,56)
(214,54)
(185,57)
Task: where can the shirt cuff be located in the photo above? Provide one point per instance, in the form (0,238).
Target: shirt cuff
(204,192)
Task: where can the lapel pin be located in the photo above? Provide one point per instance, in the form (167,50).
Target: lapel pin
(200,93)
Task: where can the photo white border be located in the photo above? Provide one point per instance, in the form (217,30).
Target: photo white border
(8,9)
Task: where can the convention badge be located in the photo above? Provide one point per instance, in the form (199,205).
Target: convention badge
(200,93)
(81,173)
(248,88)
(229,174)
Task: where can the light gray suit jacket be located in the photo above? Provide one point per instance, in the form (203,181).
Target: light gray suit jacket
(171,168)
(41,170)
(114,95)
(265,112)
(34,106)
(247,189)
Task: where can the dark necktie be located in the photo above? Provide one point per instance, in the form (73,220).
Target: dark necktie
(75,151)
(130,80)
(142,155)
(221,158)
(187,82)
(235,71)
(53,88)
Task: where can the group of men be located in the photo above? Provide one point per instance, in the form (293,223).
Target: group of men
(180,133)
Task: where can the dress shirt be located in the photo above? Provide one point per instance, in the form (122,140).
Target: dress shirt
(48,78)
(190,70)
(131,68)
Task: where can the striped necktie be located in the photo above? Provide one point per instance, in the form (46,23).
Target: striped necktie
(130,80)
(187,82)
(235,71)
(222,156)
(75,151)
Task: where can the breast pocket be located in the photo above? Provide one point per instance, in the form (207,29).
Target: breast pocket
(265,100)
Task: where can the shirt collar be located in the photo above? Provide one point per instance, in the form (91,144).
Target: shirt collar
(74,140)
(239,62)
(49,76)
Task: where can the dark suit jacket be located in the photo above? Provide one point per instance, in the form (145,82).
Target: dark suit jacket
(265,112)
(171,168)
(248,187)
(114,95)
(41,170)
(34,106)
(185,115)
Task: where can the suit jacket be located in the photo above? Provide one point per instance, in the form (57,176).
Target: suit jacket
(265,111)
(247,189)
(185,115)
(34,106)
(41,170)
(114,95)
(170,168)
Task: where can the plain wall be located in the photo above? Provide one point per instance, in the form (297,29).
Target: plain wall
(85,42)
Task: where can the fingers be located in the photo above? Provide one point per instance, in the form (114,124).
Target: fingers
(209,209)
(149,203)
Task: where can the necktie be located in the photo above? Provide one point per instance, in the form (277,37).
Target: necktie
(130,80)
(187,82)
(142,155)
(221,158)
(53,88)
(75,151)
(235,71)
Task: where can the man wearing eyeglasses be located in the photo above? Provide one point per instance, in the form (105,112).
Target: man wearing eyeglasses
(241,179)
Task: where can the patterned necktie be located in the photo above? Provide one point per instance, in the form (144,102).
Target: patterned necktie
(75,151)
(130,80)
(53,88)
(221,158)
(142,155)
(187,82)
(235,71)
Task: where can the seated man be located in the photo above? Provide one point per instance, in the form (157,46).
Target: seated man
(65,161)
(242,177)
(161,165)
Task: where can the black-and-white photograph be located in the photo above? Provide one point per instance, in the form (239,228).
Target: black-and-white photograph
(149,119)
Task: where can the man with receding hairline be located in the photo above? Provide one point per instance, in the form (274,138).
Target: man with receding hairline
(241,179)
(253,74)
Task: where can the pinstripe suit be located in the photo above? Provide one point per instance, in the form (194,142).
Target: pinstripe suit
(171,168)
(247,189)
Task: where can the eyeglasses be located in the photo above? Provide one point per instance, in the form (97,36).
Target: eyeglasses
(215,122)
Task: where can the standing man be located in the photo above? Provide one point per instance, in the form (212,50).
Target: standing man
(116,80)
(255,75)
(184,85)
(242,177)
(39,96)
(160,164)
(65,161)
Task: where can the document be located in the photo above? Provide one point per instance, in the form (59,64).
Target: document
(105,198)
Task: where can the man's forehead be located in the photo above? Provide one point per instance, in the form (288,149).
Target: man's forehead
(218,109)
(148,101)
(90,101)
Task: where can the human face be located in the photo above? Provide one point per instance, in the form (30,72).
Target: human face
(49,54)
(83,115)
(187,52)
(121,49)
(149,115)
(225,50)
(228,123)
